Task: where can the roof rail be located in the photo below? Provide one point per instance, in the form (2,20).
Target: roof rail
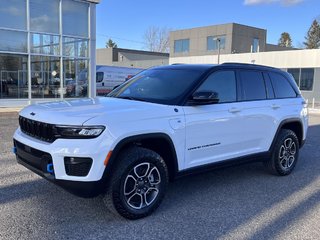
(247,64)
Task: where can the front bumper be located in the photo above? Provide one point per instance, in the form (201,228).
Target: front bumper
(37,155)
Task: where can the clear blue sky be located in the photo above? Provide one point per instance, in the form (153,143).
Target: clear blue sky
(126,21)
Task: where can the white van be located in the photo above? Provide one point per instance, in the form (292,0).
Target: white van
(108,77)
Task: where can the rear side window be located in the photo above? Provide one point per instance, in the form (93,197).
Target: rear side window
(223,83)
(281,86)
(253,87)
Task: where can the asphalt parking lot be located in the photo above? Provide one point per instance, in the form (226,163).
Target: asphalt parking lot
(242,202)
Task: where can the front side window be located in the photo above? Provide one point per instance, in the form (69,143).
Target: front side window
(216,42)
(255,45)
(253,86)
(181,45)
(165,86)
(223,83)
(281,86)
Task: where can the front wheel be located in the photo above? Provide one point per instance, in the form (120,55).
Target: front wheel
(138,183)
(285,153)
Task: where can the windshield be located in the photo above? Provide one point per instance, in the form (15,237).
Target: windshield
(158,85)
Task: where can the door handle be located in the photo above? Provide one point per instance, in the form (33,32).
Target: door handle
(275,106)
(234,110)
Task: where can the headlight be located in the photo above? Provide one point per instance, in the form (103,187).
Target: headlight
(79,131)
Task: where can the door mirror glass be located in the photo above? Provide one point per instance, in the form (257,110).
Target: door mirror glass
(205,97)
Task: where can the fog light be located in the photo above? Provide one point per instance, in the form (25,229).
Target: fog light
(77,166)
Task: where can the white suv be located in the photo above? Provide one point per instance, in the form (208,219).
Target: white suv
(164,123)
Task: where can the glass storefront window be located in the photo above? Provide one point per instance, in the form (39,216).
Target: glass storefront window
(75,18)
(44,16)
(45,44)
(73,47)
(306,81)
(13,76)
(45,77)
(75,79)
(13,41)
(13,14)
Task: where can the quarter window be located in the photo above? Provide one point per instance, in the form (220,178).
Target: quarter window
(281,86)
(223,83)
(253,87)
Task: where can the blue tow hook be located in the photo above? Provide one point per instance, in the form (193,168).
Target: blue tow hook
(50,168)
(14,150)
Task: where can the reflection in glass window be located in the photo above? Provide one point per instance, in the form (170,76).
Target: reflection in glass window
(181,45)
(44,16)
(75,80)
(75,18)
(295,72)
(306,81)
(13,14)
(255,45)
(281,86)
(45,44)
(253,87)
(45,77)
(73,47)
(213,43)
(13,76)
(13,41)
(223,83)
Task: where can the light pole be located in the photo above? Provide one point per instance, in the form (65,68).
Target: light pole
(218,40)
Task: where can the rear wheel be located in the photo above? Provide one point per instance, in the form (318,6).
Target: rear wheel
(138,183)
(285,153)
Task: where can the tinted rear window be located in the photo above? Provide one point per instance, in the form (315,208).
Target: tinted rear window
(281,86)
(253,87)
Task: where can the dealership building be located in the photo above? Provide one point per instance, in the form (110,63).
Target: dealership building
(245,44)
(47,50)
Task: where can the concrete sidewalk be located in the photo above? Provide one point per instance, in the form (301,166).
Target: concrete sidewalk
(8,110)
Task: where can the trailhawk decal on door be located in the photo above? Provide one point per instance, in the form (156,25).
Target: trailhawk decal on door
(204,146)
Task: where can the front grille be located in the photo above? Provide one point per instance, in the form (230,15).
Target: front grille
(40,130)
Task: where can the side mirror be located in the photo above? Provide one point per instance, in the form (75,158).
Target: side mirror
(205,97)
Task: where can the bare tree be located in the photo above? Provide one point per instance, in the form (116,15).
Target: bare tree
(157,39)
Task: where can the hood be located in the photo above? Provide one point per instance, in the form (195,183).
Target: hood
(77,112)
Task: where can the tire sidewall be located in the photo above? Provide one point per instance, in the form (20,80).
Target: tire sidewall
(285,134)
